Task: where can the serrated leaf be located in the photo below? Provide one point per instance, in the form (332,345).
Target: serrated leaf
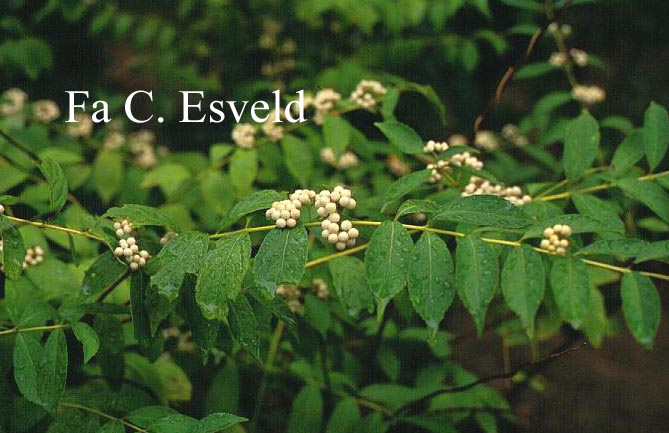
(416,206)
(175,423)
(244,325)
(108,174)
(13,250)
(306,413)
(581,145)
(523,284)
(598,209)
(55,177)
(405,185)
(141,215)
(650,194)
(629,152)
(641,307)
(350,284)
(401,136)
(217,422)
(476,277)
(336,134)
(182,255)
(655,134)
(222,273)
(256,201)
(144,416)
(626,248)
(431,280)
(101,273)
(595,323)
(40,371)
(654,251)
(281,258)
(317,314)
(387,262)
(112,427)
(88,339)
(483,210)
(571,289)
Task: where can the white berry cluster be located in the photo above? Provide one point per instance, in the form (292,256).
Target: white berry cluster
(244,135)
(336,231)
(480,186)
(271,129)
(12,101)
(142,145)
(113,140)
(556,239)
(565,29)
(458,140)
(559,58)
(34,256)
(2,210)
(588,95)
(438,168)
(321,289)
(486,140)
(512,133)
(347,160)
(127,248)
(435,146)
(367,93)
(286,213)
(81,127)
(324,101)
(291,294)
(397,166)
(183,339)
(45,111)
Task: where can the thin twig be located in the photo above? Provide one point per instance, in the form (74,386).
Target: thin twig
(34,329)
(103,415)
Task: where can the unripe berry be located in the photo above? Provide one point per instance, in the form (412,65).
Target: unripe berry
(127,252)
(330,208)
(548,232)
(340,246)
(131,241)
(325,233)
(333,228)
(118,251)
(343,236)
(117,225)
(134,266)
(290,223)
(333,238)
(345,201)
(134,248)
(335,217)
(353,233)
(281,223)
(346,225)
(123,243)
(127,229)
(120,233)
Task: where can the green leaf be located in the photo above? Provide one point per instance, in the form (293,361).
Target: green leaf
(13,250)
(626,248)
(534,70)
(217,422)
(112,427)
(142,216)
(40,372)
(222,274)
(387,262)
(598,209)
(483,210)
(431,280)
(317,314)
(306,413)
(243,169)
(401,136)
(336,134)
(144,416)
(108,174)
(641,307)
(578,223)
(476,276)
(571,289)
(523,284)
(350,283)
(298,158)
(581,145)
(103,271)
(55,177)
(88,339)
(654,251)
(655,134)
(648,193)
(244,325)
(176,423)
(182,255)
(629,152)
(416,206)
(344,417)
(169,177)
(405,185)
(256,201)
(528,5)
(595,323)
(281,258)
